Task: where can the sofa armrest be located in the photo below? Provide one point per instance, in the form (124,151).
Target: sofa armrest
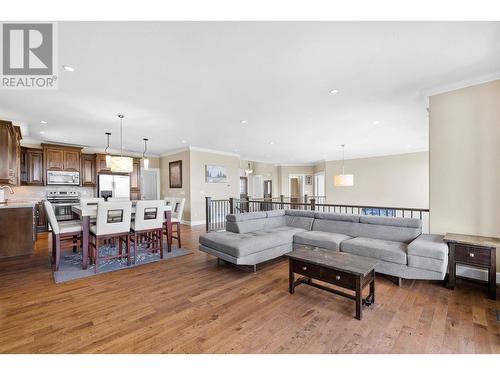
(429,246)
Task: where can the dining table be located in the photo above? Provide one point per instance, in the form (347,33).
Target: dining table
(88,212)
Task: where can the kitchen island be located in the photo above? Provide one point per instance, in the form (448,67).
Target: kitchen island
(17,232)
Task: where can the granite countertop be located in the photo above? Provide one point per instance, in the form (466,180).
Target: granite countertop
(18,204)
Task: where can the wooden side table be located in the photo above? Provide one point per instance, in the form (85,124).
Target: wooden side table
(474,251)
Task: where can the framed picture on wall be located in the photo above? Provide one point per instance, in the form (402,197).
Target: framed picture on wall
(175,174)
(215,173)
(309,180)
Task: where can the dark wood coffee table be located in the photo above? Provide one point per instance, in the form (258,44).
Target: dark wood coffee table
(345,270)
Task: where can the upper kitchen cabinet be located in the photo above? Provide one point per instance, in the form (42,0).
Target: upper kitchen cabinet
(61,158)
(88,175)
(100,163)
(31,166)
(10,153)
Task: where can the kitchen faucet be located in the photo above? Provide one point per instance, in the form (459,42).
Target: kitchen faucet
(2,194)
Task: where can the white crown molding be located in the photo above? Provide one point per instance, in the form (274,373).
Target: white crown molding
(176,151)
(207,150)
(461,84)
(297,165)
(417,151)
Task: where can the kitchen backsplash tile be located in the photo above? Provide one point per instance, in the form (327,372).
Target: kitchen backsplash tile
(38,193)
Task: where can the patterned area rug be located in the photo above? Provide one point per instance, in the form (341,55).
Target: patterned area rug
(70,265)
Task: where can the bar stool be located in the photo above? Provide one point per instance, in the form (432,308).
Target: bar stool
(147,228)
(62,233)
(177,205)
(112,222)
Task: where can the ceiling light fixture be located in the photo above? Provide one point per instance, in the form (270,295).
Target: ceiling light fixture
(376,122)
(333,92)
(144,158)
(184,141)
(121,164)
(42,132)
(249,170)
(43,122)
(271,143)
(108,156)
(343,179)
(68,68)
(243,121)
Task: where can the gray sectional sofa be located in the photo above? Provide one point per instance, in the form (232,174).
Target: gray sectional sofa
(398,243)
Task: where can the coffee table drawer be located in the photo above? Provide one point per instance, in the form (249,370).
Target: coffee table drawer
(306,269)
(473,255)
(345,280)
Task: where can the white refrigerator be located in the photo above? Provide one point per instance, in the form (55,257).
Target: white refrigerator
(112,185)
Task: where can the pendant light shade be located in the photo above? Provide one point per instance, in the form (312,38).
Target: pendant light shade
(121,164)
(343,179)
(249,170)
(108,156)
(144,158)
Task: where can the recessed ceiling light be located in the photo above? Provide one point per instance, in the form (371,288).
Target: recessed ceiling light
(243,121)
(271,143)
(65,140)
(43,122)
(68,68)
(376,122)
(334,91)
(184,141)
(42,132)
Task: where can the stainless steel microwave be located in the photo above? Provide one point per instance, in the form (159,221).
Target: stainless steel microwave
(63,178)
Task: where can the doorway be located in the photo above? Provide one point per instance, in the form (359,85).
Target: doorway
(150,184)
(268,188)
(243,187)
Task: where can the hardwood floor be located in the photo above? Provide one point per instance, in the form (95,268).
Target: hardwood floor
(189,305)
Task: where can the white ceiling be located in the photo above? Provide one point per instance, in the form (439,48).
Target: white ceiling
(195,81)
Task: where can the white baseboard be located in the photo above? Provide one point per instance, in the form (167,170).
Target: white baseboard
(193,223)
(475,273)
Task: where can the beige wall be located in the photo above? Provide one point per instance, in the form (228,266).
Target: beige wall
(201,189)
(267,170)
(395,181)
(464,131)
(154,162)
(183,192)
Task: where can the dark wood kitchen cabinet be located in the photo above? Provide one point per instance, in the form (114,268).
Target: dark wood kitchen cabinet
(88,171)
(10,153)
(31,166)
(100,164)
(61,158)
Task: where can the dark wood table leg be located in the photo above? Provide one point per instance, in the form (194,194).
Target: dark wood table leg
(85,241)
(291,278)
(452,266)
(492,273)
(359,307)
(372,287)
(168,223)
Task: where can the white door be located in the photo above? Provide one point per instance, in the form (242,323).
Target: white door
(149,182)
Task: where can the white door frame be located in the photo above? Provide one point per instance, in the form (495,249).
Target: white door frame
(303,184)
(157,170)
(322,173)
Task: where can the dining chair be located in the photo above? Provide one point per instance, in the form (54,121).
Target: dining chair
(112,222)
(147,228)
(90,202)
(177,205)
(62,233)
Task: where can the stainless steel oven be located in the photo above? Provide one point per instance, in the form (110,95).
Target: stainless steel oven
(63,202)
(63,178)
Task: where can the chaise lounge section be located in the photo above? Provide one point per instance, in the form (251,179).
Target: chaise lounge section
(398,243)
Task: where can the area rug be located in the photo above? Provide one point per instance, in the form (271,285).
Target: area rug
(70,265)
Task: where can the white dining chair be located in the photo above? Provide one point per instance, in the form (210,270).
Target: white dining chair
(112,222)
(62,233)
(177,205)
(147,227)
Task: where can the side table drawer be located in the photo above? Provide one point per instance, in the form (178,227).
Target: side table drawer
(342,279)
(306,269)
(473,255)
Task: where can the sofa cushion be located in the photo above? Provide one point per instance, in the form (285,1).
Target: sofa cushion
(337,217)
(247,226)
(432,264)
(325,240)
(389,251)
(242,244)
(335,226)
(274,213)
(246,216)
(303,213)
(429,246)
(305,223)
(405,222)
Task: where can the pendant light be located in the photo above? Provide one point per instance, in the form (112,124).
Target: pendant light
(144,158)
(249,170)
(343,179)
(108,156)
(121,164)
